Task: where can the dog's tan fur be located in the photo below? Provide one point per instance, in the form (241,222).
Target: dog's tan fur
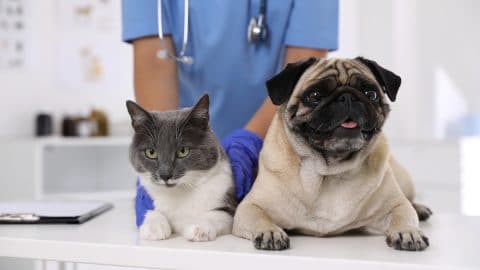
(297,190)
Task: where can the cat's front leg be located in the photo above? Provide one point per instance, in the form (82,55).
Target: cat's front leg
(155,226)
(208,226)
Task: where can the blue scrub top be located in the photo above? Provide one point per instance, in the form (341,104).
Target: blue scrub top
(228,67)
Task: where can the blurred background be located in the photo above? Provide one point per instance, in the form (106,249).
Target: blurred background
(62,62)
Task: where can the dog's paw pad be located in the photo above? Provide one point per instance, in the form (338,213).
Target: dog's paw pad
(423,212)
(155,228)
(271,240)
(408,240)
(200,233)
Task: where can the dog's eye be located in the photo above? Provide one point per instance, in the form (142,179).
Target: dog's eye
(372,95)
(314,97)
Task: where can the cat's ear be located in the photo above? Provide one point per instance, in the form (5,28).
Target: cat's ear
(199,115)
(137,113)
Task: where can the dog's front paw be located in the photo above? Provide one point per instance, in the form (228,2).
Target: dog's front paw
(200,233)
(155,227)
(412,240)
(275,239)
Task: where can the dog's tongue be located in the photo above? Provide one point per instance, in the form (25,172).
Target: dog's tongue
(349,124)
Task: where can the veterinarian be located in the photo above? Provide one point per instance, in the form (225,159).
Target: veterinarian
(227,49)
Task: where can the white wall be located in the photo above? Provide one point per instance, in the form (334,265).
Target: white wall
(25,92)
(415,39)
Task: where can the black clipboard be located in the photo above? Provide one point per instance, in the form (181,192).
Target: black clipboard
(51,212)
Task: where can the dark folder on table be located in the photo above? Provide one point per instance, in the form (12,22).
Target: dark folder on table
(50,212)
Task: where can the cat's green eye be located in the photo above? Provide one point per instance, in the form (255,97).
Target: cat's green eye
(151,153)
(183,152)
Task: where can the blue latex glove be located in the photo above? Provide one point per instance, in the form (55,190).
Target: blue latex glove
(243,147)
(143,203)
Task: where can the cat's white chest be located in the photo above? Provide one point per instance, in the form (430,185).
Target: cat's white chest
(185,202)
(181,203)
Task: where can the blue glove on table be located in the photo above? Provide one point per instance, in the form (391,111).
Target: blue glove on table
(243,147)
(143,203)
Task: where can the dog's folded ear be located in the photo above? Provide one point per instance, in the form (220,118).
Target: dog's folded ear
(280,87)
(387,79)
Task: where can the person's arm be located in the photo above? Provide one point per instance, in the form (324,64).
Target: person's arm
(260,121)
(155,80)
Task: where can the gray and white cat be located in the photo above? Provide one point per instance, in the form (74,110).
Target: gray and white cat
(184,169)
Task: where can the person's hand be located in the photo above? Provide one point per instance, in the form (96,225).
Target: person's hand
(243,147)
(143,203)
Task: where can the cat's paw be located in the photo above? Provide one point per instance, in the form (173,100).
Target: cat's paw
(155,227)
(199,233)
(412,240)
(275,239)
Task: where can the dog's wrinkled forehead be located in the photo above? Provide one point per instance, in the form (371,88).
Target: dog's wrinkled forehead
(296,76)
(341,69)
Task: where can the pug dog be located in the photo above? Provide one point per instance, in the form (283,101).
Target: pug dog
(326,167)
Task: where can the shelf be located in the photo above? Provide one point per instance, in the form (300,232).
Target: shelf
(83,142)
(58,141)
(114,195)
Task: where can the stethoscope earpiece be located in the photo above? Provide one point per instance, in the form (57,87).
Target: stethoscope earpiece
(188,60)
(162,54)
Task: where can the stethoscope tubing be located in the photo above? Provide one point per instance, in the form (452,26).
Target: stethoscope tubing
(163,53)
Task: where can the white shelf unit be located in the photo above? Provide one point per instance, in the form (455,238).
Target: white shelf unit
(35,167)
(57,141)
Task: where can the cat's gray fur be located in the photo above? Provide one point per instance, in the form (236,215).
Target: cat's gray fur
(194,195)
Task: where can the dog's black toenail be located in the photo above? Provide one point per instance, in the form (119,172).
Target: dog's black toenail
(258,241)
(425,239)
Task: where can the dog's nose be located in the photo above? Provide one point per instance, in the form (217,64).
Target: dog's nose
(346,98)
(165,177)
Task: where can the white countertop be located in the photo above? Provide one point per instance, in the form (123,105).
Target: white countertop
(113,239)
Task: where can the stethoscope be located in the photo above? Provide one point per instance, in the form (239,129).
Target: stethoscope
(257,32)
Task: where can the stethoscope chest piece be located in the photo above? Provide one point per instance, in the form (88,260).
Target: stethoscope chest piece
(257,27)
(257,31)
